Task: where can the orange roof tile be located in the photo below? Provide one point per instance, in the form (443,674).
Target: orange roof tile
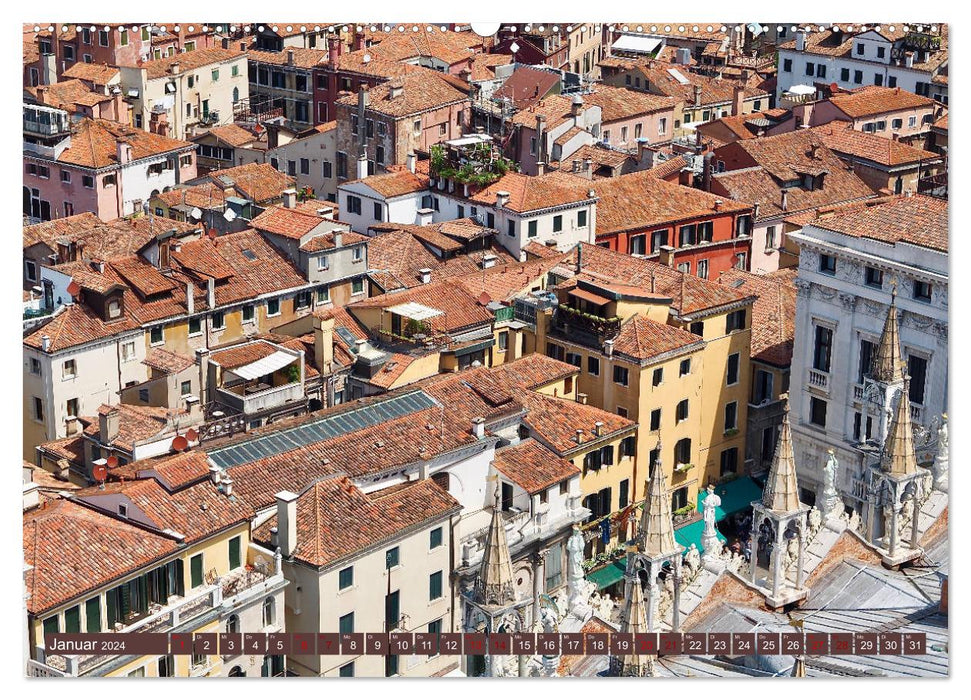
(532,466)
(773,313)
(617,103)
(555,421)
(421,90)
(395,183)
(260,182)
(94,144)
(541,192)
(190,60)
(843,138)
(872,100)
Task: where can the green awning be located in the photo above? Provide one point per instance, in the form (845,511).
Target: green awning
(609,575)
(691,534)
(736,495)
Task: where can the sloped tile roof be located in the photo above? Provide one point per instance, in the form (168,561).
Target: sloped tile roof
(230,134)
(460,308)
(97,73)
(260,182)
(335,519)
(642,338)
(526,86)
(641,200)
(842,138)
(190,60)
(532,466)
(167,361)
(555,421)
(531,193)
(773,313)
(422,89)
(94,143)
(617,103)
(394,183)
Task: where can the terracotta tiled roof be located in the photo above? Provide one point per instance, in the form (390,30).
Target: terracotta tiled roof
(136,424)
(242,354)
(97,73)
(461,309)
(336,520)
(535,249)
(69,448)
(449,47)
(290,223)
(565,137)
(395,183)
(617,103)
(555,421)
(669,167)
(392,370)
(612,158)
(831,43)
(76,325)
(422,89)
(204,196)
(689,294)
(173,472)
(484,65)
(556,109)
(229,134)
(842,138)
(260,182)
(714,91)
(872,100)
(641,200)
(532,466)
(919,220)
(642,338)
(503,282)
(166,361)
(269,271)
(780,162)
(941,123)
(65,95)
(196,512)
(94,144)
(354,62)
(74,549)
(531,193)
(526,86)
(188,61)
(773,313)
(302,58)
(531,372)
(327,241)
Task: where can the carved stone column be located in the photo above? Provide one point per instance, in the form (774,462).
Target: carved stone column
(777,561)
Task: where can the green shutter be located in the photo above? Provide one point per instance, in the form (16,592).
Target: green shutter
(51,625)
(92,613)
(111,599)
(234,558)
(195,571)
(72,620)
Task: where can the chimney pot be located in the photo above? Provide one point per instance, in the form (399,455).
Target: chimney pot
(286,518)
(478,427)
(290,198)
(426,275)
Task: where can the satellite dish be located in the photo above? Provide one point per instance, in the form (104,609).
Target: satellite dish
(229,215)
(112,462)
(196,213)
(100,472)
(366,58)
(179,443)
(191,435)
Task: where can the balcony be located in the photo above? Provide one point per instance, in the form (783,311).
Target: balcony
(583,327)
(819,379)
(916,413)
(254,398)
(857,392)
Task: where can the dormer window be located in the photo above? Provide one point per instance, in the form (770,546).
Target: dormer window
(123,510)
(114,308)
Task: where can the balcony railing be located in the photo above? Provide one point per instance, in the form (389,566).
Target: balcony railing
(916,413)
(857,392)
(568,318)
(262,399)
(819,379)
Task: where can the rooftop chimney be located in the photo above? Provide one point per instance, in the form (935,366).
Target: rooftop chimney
(411,159)
(785,200)
(717,205)
(175,68)
(424,217)
(909,59)
(738,101)
(598,428)
(109,424)
(541,168)
(211,293)
(45,343)
(289,57)
(697,89)
(478,427)
(426,275)
(801,40)
(502,198)
(609,348)
(362,165)
(576,106)
(579,437)
(338,239)
(666,255)
(488,261)
(227,487)
(215,474)
(333,50)
(395,90)
(290,198)
(286,520)
(190,298)
(123,152)
(42,94)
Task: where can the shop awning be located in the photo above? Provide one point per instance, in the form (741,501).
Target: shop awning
(691,535)
(736,495)
(264,365)
(609,575)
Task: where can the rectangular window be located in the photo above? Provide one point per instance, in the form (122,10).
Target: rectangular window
(682,411)
(628,448)
(892,81)
(581,218)
(787,65)
(92,615)
(357,286)
(735,321)
(638,244)
(763,386)
(353,204)
(810,68)
(878,79)
(874,277)
(511,227)
(817,412)
(186,388)
(822,348)
(323,295)
(435,586)
(729,461)
(687,235)
(731,415)
(732,374)
(52,625)
(345,579)
(845,75)
(345,624)
(656,419)
(827,264)
(235,553)
(574,359)
(249,312)
(820,71)
(218,320)
(858,77)
(593,366)
(87,182)
(195,571)
(195,326)
(896,124)
(272,307)
(35,366)
(391,558)
(685,367)
(917,369)
(70,369)
(620,375)
(922,291)
(72,620)
(867,351)
(377,211)
(435,538)
(703,269)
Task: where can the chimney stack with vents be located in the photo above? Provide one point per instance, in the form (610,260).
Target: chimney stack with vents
(411,162)
(290,198)
(426,275)
(478,427)
(666,255)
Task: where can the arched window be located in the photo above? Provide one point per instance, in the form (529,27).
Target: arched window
(268,612)
(232,625)
(237,672)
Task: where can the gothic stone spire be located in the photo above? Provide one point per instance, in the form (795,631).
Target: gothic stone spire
(495,586)
(898,450)
(781,492)
(657,526)
(635,622)
(887,364)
